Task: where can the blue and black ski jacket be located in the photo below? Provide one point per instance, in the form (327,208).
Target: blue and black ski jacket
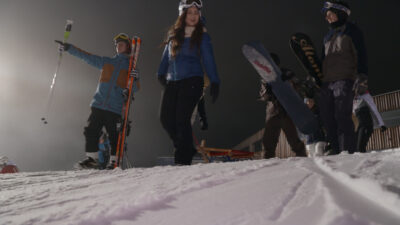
(189,63)
(113,79)
(344,53)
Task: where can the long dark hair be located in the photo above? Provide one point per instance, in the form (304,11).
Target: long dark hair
(176,34)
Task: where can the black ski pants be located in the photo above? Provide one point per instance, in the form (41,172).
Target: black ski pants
(97,120)
(336,108)
(364,129)
(178,102)
(273,127)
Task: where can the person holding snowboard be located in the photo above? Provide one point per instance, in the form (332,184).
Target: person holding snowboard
(187,49)
(344,58)
(108,101)
(367,114)
(277,119)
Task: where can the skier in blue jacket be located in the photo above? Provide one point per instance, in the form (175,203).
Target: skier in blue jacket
(188,50)
(107,103)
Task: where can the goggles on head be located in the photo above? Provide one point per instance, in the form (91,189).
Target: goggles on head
(330,5)
(185,4)
(121,37)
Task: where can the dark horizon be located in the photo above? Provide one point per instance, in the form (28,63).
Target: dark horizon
(29,55)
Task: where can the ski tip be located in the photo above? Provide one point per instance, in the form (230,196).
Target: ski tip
(70,22)
(138,39)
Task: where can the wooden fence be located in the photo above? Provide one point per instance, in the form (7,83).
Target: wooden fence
(390,139)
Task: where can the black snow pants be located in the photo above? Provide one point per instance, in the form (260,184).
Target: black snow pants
(178,102)
(336,108)
(364,129)
(273,127)
(97,120)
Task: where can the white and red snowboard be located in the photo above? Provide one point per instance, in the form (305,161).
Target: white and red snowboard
(261,60)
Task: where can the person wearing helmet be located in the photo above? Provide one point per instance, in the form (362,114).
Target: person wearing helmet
(188,50)
(107,103)
(343,60)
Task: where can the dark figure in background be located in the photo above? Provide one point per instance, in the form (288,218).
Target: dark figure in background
(187,50)
(277,119)
(343,59)
(367,114)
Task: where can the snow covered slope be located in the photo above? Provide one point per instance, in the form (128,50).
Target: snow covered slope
(344,189)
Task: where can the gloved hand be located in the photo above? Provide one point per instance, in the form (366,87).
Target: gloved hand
(125,94)
(361,84)
(383,128)
(62,46)
(163,80)
(203,124)
(214,91)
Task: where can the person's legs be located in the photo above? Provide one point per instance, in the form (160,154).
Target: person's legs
(292,137)
(365,128)
(168,110)
(111,121)
(92,134)
(92,131)
(344,96)
(327,108)
(271,136)
(190,91)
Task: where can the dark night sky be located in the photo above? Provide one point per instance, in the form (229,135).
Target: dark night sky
(28,58)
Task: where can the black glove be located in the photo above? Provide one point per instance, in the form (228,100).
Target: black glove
(62,46)
(203,124)
(361,84)
(214,91)
(163,80)
(383,128)
(125,94)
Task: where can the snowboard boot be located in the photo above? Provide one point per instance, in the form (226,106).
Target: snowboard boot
(320,148)
(310,148)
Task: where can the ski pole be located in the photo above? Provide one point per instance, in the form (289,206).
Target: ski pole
(67,31)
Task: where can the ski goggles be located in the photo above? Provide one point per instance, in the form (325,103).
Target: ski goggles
(185,4)
(121,37)
(330,5)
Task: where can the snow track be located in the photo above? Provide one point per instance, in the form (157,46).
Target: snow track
(345,189)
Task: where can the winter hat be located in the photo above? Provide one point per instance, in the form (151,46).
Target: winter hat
(185,4)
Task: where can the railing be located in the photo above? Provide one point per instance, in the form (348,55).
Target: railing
(378,141)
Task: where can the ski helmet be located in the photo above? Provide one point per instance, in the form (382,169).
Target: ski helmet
(125,38)
(122,37)
(337,6)
(185,4)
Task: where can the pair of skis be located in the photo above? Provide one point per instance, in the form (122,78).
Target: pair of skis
(133,76)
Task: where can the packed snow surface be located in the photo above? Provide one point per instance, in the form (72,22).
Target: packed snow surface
(335,190)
